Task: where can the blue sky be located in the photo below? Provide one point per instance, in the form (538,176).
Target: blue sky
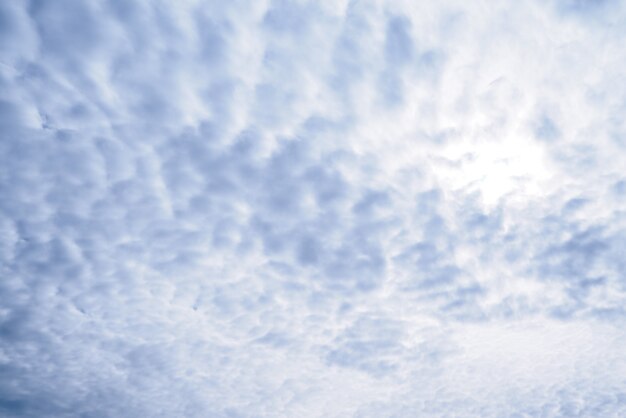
(312,208)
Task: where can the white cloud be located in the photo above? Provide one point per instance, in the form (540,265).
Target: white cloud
(295,208)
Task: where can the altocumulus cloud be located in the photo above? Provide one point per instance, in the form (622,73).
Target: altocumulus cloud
(312,209)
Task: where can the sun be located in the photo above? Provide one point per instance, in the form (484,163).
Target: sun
(513,168)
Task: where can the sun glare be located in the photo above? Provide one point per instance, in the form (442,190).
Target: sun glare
(514,168)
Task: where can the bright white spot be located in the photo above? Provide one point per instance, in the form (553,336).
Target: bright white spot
(512,168)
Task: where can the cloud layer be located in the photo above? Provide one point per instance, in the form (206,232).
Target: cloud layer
(312,209)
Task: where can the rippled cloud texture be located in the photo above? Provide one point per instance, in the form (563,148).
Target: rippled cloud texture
(312,208)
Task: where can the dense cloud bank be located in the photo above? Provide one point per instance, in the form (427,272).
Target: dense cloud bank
(312,209)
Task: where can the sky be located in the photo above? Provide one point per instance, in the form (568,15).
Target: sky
(332,208)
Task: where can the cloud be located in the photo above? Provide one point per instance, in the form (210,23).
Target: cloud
(293,208)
